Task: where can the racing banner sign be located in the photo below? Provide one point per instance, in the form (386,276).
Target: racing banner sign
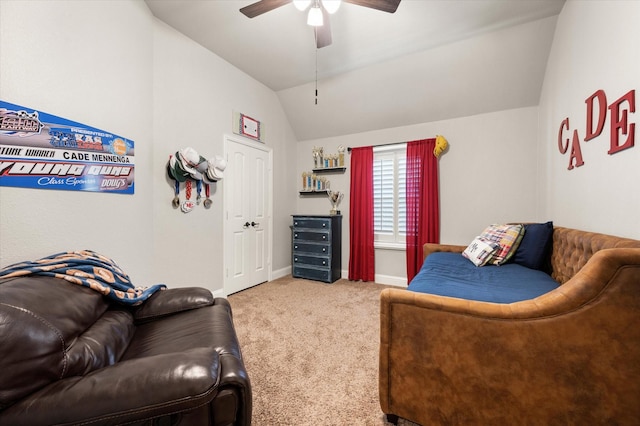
(40,150)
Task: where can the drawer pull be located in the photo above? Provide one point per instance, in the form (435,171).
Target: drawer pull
(295,223)
(324,249)
(324,225)
(324,237)
(295,235)
(324,262)
(295,247)
(295,259)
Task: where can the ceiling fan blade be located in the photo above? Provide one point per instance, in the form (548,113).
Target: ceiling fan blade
(383,5)
(263,6)
(323,33)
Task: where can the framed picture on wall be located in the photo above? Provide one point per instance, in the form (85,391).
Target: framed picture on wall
(248,126)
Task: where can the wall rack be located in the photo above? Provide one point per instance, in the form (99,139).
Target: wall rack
(330,170)
(324,192)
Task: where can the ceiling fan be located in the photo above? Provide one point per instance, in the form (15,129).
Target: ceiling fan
(318,12)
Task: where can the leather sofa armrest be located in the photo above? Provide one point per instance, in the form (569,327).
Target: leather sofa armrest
(125,392)
(171,301)
(429,248)
(449,358)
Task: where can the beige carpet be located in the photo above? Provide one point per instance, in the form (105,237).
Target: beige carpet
(311,350)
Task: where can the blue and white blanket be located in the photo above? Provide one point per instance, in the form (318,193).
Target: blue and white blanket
(89,269)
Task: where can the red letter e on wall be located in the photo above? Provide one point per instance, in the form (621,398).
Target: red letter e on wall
(619,123)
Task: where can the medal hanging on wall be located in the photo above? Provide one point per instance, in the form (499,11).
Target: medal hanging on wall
(199,190)
(207,193)
(188,205)
(176,199)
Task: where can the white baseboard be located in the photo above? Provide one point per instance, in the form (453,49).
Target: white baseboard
(383,279)
(391,280)
(281,273)
(220,293)
(274,276)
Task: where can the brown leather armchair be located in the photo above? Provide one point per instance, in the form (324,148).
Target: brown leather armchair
(70,356)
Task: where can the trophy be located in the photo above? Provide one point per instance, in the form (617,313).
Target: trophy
(340,156)
(335,197)
(318,161)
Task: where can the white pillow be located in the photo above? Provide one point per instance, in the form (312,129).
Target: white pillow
(480,251)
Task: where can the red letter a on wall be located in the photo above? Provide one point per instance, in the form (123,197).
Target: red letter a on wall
(576,152)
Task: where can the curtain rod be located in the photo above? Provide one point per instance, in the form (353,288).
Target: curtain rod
(382,144)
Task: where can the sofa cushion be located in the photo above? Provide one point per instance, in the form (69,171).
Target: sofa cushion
(509,238)
(131,392)
(449,274)
(210,327)
(102,344)
(171,301)
(36,331)
(480,251)
(533,251)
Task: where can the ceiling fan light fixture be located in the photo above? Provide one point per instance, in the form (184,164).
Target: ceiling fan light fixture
(331,6)
(301,5)
(315,17)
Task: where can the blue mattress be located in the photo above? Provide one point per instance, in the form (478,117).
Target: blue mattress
(450,274)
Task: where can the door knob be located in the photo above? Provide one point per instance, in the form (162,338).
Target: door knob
(246,225)
(254,224)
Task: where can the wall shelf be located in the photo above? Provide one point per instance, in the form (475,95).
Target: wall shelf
(330,170)
(325,192)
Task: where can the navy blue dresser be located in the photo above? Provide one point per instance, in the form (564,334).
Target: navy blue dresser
(317,247)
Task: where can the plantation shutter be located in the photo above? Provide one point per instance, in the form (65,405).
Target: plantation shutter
(389,194)
(383,194)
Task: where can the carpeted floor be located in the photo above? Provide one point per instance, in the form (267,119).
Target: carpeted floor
(311,350)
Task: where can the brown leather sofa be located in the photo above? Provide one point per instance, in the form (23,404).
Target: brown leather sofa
(568,357)
(68,356)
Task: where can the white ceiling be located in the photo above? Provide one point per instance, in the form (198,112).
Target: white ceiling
(431,60)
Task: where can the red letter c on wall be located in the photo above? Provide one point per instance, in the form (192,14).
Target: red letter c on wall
(563,146)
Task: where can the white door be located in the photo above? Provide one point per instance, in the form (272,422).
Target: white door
(247,217)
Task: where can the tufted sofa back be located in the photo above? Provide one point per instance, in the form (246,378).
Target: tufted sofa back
(572,249)
(43,341)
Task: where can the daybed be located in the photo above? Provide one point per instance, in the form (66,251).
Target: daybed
(568,356)
(69,355)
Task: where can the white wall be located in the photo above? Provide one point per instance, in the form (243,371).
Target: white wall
(89,62)
(65,58)
(488,175)
(195,94)
(112,65)
(595,47)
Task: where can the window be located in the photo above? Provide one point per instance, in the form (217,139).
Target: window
(389,195)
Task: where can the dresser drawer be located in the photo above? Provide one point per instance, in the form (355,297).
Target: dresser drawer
(313,223)
(311,236)
(324,262)
(312,273)
(313,248)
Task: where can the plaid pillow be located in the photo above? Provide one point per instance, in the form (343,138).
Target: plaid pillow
(480,251)
(507,236)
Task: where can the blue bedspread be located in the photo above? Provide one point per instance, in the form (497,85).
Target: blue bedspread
(450,274)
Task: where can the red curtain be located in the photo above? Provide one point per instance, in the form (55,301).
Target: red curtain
(423,217)
(361,251)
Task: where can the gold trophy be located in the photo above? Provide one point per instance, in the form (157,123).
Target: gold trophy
(335,197)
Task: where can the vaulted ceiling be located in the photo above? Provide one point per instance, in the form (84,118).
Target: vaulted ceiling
(430,60)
